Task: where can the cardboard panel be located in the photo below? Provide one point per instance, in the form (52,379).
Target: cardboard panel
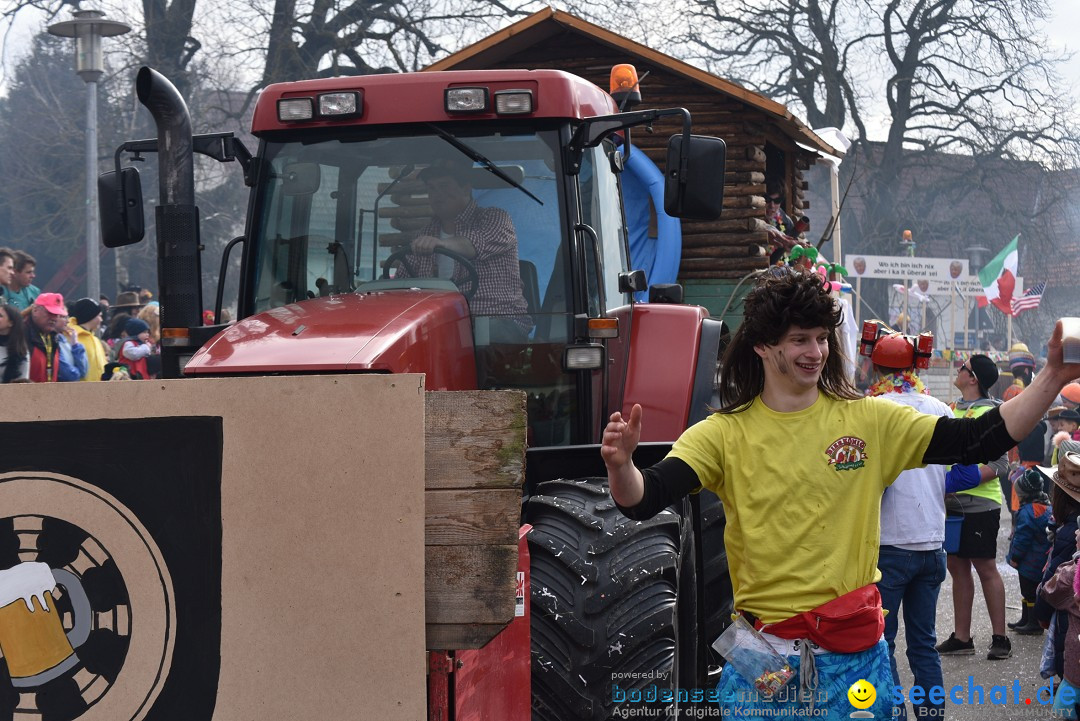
(220,548)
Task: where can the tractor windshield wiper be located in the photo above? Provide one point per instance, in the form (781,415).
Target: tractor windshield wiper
(477,157)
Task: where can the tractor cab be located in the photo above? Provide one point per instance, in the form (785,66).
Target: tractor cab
(468,225)
(340,215)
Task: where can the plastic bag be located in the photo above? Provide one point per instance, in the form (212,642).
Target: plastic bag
(753,658)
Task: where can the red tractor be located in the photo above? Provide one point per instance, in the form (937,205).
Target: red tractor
(331,282)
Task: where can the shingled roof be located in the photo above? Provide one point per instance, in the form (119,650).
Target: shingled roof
(546,23)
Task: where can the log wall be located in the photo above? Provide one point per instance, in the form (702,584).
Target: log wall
(736,244)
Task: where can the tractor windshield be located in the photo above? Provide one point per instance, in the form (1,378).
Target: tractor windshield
(332,213)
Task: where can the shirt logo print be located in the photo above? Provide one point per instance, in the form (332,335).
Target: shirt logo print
(847,453)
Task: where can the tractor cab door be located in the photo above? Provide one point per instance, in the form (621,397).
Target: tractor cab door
(603,248)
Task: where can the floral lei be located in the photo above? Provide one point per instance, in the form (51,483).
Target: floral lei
(905,382)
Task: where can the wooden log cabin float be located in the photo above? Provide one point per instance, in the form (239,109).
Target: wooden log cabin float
(766,144)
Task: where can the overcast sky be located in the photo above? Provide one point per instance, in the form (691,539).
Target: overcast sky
(1063,35)
(1063,32)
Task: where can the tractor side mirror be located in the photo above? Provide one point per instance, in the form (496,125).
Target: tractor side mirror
(694,182)
(120,207)
(632,282)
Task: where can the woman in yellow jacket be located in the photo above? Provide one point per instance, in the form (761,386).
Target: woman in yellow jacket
(86,319)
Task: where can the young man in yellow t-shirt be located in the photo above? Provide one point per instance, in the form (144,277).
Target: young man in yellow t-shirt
(800,461)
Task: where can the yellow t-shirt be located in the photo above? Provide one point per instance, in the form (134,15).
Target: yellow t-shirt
(802,494)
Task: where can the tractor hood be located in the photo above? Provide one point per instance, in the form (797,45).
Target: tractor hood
(390,331)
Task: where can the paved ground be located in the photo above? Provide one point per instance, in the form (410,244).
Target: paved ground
(974,671)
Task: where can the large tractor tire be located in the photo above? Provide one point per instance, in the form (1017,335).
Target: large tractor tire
(604,602)
(719,597)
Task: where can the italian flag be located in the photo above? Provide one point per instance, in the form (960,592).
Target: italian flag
(998,278)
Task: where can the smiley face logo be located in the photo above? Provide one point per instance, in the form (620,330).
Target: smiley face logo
(862,694)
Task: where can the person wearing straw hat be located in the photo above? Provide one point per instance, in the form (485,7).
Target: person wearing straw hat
(126,302)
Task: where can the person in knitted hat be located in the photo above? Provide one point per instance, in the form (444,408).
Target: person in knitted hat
(85,321)
(1030,546)
(1070,396)
(1068,424)
(136,348)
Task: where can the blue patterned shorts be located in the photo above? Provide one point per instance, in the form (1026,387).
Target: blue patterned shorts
(837,672)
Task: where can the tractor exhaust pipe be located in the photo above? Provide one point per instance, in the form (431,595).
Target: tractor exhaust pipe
(179,267)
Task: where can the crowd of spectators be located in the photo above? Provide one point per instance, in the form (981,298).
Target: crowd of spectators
(44,339)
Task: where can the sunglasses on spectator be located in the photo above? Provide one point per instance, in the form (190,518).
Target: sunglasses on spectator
(775,201)
(965,368)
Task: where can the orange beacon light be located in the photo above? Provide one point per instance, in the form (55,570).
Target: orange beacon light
(624,86)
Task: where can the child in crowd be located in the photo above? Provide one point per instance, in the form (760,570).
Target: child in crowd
(1061,592)
(1030,546)
(1068,423)
(135,348)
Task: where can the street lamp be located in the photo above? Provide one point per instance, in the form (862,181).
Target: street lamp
(88,28)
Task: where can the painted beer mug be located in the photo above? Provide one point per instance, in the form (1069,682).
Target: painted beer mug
(32,637)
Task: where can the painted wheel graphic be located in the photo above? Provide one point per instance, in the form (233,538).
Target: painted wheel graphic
(77,528)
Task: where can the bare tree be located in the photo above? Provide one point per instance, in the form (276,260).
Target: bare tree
(170,46)
(930,77)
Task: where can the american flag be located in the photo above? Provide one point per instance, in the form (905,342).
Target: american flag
(1028,300)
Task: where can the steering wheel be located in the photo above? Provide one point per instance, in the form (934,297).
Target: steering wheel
(472,283)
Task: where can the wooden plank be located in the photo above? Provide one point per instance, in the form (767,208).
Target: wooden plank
(759,238)
(471,517)
(723,251)
(729,214)
(407,211)
(390,240)
(723,226)
(727,240)
(690,265)
(743,201)
(470,584)
(716,274)
(736,163)
(474,468)
(408,199)
(450,636)
(475,439)
(756,189)
(409,224)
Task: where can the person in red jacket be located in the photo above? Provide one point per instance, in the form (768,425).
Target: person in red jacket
(41,336)
(135,349)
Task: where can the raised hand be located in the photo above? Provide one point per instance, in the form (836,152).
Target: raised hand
(620,439)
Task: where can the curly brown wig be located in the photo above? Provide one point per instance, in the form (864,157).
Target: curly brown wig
(777,302)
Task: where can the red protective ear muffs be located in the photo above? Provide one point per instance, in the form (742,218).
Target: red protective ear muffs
(890,349)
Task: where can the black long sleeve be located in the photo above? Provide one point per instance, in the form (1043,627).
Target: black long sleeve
(969,440)
(665,483)
(955,440)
